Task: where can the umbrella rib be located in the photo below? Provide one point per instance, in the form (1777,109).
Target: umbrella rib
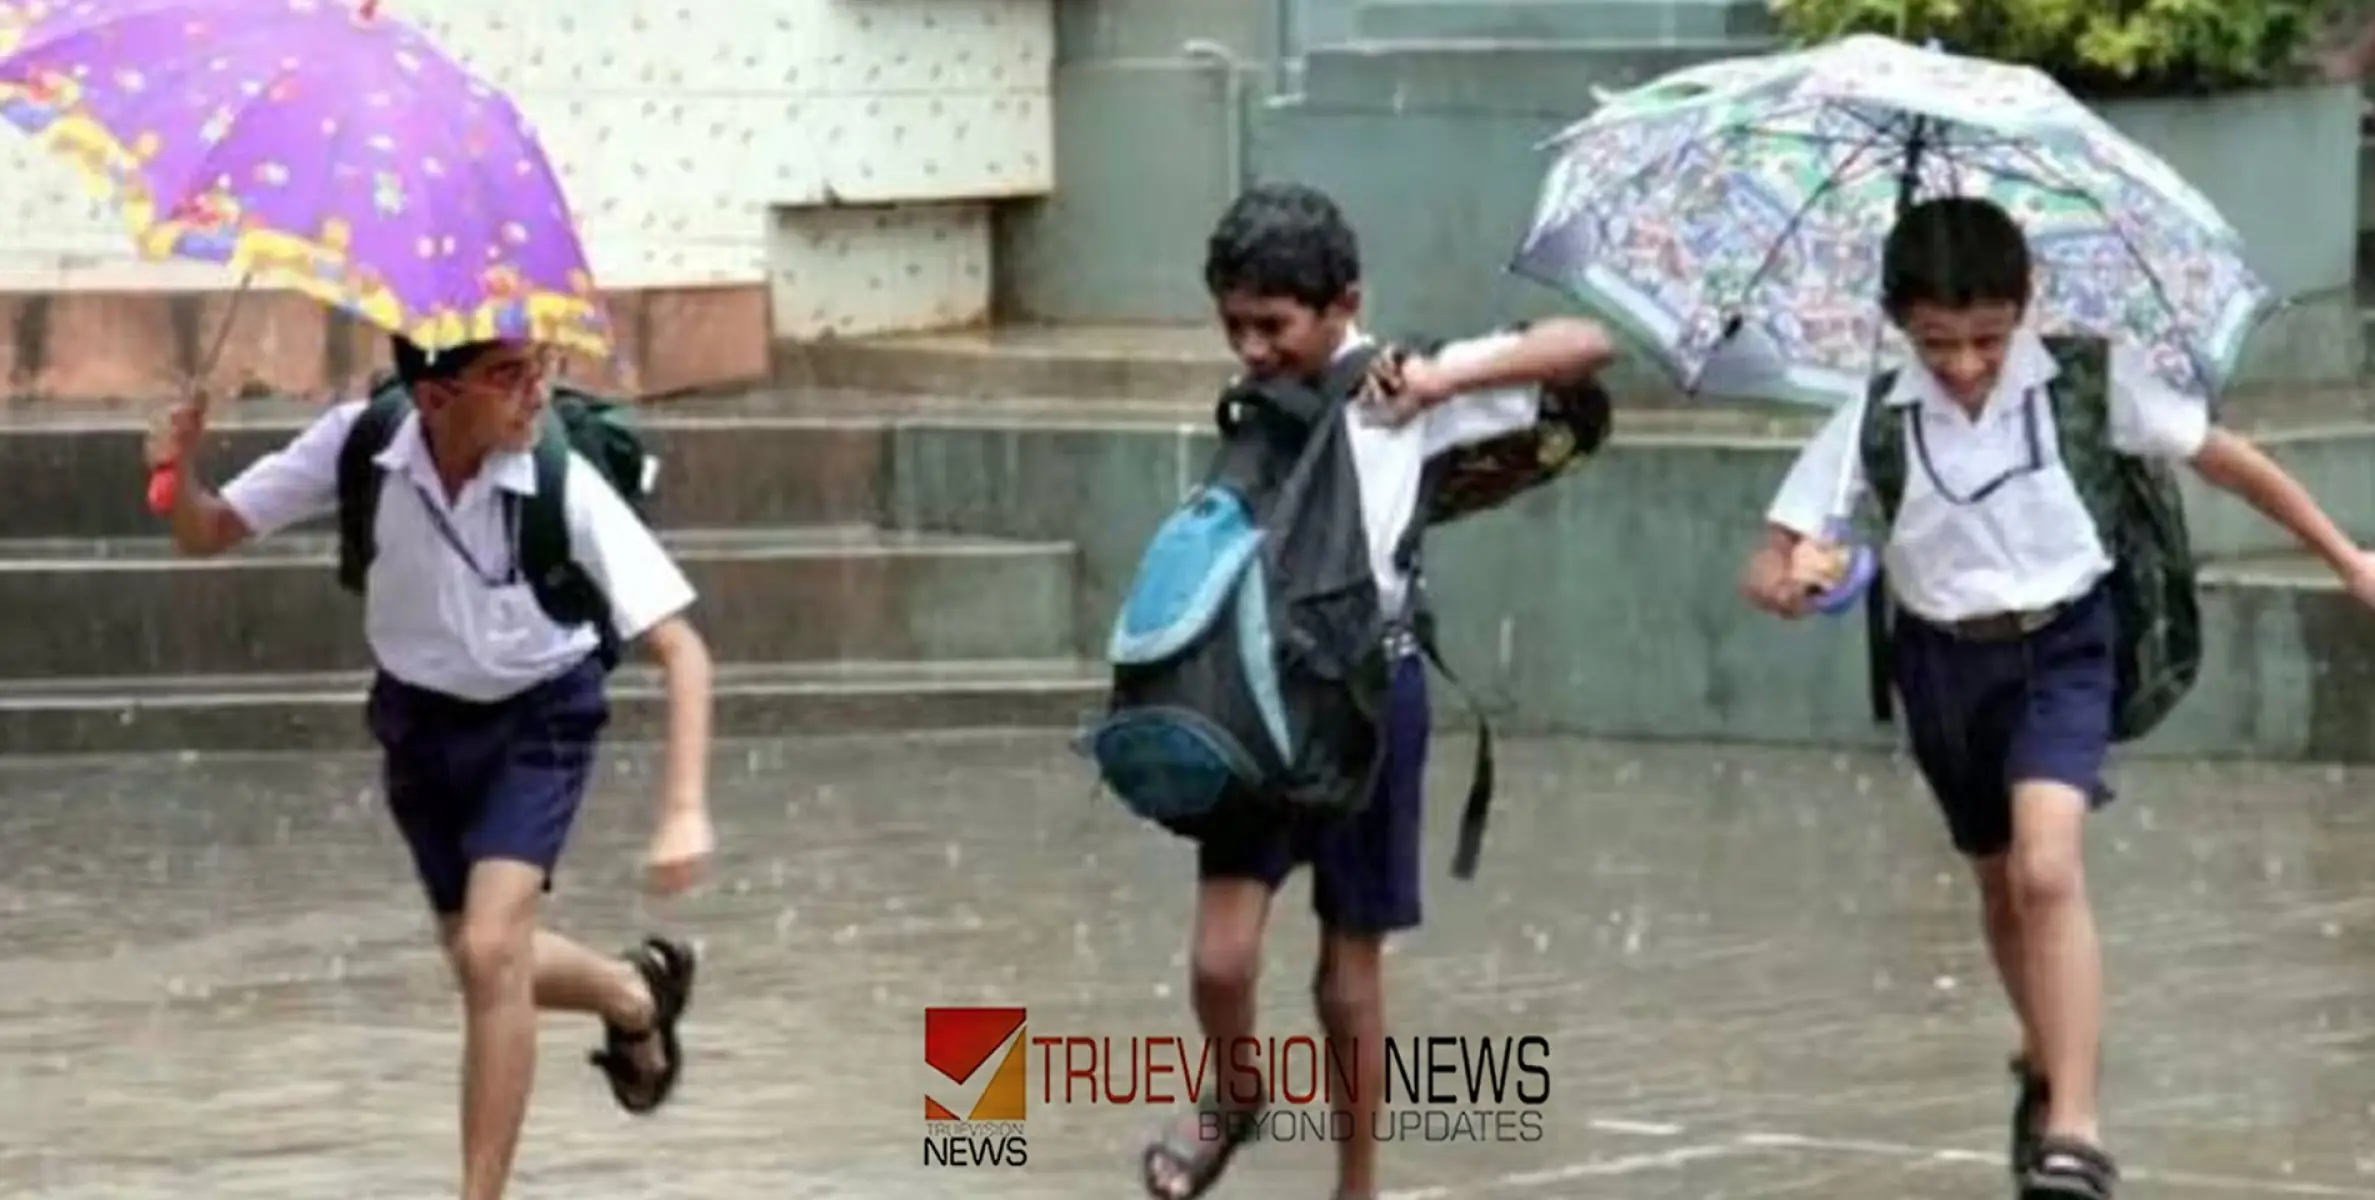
(1829,184)
(1882,127)
(1655,165)
(1957,153)
(1820,139)
(2186,337)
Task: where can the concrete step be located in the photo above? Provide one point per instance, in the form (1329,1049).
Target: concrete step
(130,608)
(1152,364)
(2289,668)
(323,711)
(754,461)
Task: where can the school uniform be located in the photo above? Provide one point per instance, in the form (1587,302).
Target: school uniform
(2002,653)
(487,712)
(1365,868)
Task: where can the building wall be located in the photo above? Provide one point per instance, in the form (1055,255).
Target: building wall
(843,154)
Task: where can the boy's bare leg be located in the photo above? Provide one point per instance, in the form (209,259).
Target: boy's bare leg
(2006,947)
(2062,961)
(1350,989)
(493,950)
(571,978)
(1225,965)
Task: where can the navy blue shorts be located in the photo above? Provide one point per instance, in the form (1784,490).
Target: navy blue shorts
(1364,868)
(470,782)
(1984,716)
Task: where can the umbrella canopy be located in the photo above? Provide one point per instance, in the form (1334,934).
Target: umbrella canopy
(1730,216)
(317,144)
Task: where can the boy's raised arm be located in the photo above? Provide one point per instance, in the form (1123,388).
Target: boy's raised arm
(2151,420)
(2231,463)
(1554,350)
(1480,388)
(295,483)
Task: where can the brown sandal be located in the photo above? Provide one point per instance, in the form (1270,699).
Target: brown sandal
(2028,1115)
(667,970)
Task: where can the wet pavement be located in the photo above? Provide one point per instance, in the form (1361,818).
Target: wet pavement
(1758,973)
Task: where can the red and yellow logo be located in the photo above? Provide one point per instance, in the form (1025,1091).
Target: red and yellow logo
(977,1064)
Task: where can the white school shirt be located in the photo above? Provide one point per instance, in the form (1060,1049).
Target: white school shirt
(429,617)
(1389,462)
(2031,543)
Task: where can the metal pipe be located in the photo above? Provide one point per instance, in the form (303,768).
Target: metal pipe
(1232,98)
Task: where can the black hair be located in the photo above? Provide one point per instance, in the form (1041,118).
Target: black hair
(1954,252)
(415,365)
(1283,240)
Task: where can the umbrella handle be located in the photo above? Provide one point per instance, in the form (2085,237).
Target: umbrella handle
(164,485)
(164,480)
(1862,566)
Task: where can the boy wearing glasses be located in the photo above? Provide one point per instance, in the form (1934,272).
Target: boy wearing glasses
(2003,650)
(488,710)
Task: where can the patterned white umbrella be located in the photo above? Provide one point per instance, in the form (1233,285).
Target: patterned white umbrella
(1732,214)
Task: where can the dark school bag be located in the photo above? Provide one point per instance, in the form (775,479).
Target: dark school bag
(1573,424)
(594,427)
(2138,508)
(1250,658)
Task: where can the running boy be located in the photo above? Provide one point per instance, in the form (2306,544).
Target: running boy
(1284,271)
(2003,651)
(488,712)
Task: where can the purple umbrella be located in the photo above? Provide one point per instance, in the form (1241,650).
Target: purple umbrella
(313,143)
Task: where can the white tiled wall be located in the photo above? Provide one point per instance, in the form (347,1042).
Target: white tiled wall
(711,141)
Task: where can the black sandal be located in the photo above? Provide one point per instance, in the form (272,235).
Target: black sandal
(2069,1169)
(2028,1115)
(667,970)
(1195,1158)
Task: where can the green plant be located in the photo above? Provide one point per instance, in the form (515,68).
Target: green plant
(2098,47)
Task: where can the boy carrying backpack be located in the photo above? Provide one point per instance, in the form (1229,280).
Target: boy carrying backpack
(2036,558)
(1270,701)
(501,563)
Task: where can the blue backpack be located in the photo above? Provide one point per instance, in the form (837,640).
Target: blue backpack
(1251,661)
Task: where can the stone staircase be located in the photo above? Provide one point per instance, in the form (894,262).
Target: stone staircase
(1661,648)
(930,532)
(823,617)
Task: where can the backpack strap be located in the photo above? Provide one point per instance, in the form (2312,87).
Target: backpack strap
(359,480)
(2081,392)
(1478,807)
(1304,403)
(1880,447)
(1880,455)
(562,587)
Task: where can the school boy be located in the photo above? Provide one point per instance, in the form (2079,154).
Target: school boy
(1283,268)
(488,712)
(2003,649)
